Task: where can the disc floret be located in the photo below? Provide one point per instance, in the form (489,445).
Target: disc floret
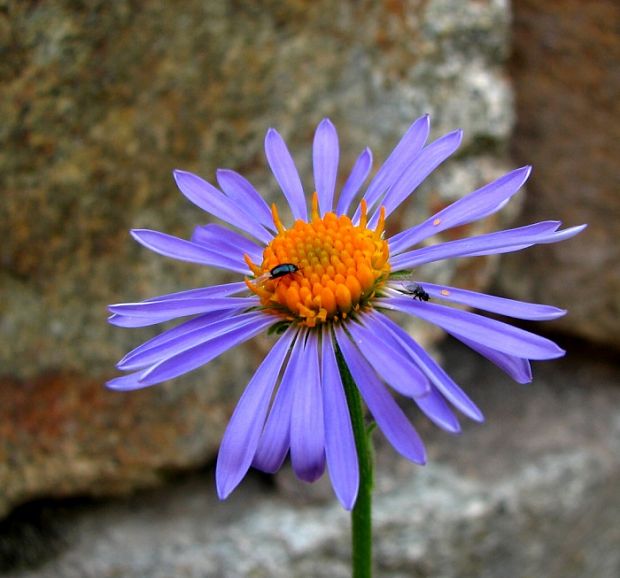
(341,266)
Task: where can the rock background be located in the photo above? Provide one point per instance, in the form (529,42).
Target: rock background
(532,492)
(101,100)
(567,81)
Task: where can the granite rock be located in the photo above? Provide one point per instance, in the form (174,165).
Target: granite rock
(567,81)
(532,492)
(100,108)
(101,100)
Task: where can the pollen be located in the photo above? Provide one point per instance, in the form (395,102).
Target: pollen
(339,267)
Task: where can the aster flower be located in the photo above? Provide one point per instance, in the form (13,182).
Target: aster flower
(325,285)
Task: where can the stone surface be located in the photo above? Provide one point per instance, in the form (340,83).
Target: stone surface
(567,81)
(532,492)
(63,435)
(101,100)
(99,109)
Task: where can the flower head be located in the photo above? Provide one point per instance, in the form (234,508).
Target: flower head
(325,284)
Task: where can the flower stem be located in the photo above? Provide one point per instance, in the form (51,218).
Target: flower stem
(361,516)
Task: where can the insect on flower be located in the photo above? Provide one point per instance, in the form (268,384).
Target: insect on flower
(416,291)
(278,271)
(339,278)
(283,269)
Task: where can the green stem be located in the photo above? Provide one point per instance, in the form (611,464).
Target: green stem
(361,516)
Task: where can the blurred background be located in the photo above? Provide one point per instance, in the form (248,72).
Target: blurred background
(100,101)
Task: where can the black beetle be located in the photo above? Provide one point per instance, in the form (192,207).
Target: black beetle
(283,269)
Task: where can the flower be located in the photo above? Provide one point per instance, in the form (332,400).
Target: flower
(324,286)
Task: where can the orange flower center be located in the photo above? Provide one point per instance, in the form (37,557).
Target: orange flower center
(322,270)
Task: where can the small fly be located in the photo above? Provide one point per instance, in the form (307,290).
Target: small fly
(416,291)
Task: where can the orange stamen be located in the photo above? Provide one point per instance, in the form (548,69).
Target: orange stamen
(276,219)
(381,223)
(315,206)
(364,208)
(340,267)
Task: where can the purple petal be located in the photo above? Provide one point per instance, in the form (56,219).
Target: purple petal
(393,367)
(553,237)
(401,157)
(477,205)
(436,409)
(174,332)
(389,417)
(423,165)
(133,322)
(223,290)
(340,449)
(563,235)
(325,155)
(283,168)
(240,190)
(129,382)
(173,308)
(501,305)
(130,321)
(516,367)
(275,439)
(210,199)
(436,374)
(186,340)
(218,238)
(488,244)
(496,334)
(182,250)
(307,429)
(199,355)
(163,346)
(203,292)
(245,426)
(356,179)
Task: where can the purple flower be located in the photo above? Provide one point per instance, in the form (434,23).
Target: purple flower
(325,283)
